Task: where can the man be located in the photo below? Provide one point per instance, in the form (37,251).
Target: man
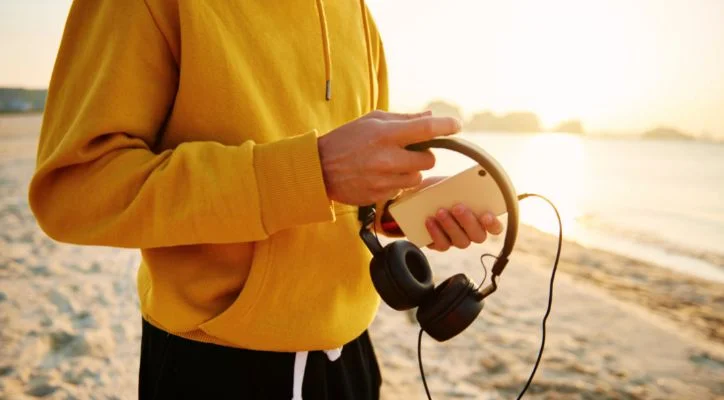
(231,142)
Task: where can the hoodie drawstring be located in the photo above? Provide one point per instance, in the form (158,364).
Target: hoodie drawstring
(300,364)
(328,55)
(325,46)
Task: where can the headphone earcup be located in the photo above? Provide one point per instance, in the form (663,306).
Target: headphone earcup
(451,308)
(401,275)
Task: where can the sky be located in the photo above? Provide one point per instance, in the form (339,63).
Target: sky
(620,66)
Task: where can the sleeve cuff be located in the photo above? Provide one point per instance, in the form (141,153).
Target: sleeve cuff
(291,184)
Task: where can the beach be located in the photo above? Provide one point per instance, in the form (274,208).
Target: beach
(620,328)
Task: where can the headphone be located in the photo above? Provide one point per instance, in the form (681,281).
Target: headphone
(401,273)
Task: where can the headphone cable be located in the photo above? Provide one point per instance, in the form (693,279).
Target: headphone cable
(545,317)
(550,289)
(419,361)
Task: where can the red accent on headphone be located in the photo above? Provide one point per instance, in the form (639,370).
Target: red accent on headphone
(391,227)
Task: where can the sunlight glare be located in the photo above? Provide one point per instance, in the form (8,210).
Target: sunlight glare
(553,166)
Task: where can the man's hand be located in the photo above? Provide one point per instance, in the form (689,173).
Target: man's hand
(459,226)
(365,161)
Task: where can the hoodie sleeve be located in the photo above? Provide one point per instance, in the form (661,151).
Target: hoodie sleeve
(97,180)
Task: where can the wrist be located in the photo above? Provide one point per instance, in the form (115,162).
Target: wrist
(322,150)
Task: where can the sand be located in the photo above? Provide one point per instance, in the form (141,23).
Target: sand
(70,325)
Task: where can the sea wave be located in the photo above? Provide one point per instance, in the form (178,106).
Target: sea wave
(595,230)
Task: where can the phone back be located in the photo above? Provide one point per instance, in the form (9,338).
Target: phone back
(470,187)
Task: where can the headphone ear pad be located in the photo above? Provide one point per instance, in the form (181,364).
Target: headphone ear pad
(401,275)
(451,308)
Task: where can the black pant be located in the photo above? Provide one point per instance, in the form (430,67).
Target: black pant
(176,368)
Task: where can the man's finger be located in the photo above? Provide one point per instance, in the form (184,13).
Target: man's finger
(492,224)
(456,234)
(422,129)
(389,116)
(406,161)
(440,241)
(472,227)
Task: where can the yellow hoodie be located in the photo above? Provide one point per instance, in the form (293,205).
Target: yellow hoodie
(188,129)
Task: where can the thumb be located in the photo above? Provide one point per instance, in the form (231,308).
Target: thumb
(429,181)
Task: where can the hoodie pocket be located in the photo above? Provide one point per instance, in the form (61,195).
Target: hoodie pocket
(311,290)
(230,322)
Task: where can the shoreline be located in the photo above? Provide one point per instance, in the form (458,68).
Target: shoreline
(694,303)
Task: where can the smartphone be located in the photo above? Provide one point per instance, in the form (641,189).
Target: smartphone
(473,187)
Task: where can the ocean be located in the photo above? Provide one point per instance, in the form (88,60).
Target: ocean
(656,201)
